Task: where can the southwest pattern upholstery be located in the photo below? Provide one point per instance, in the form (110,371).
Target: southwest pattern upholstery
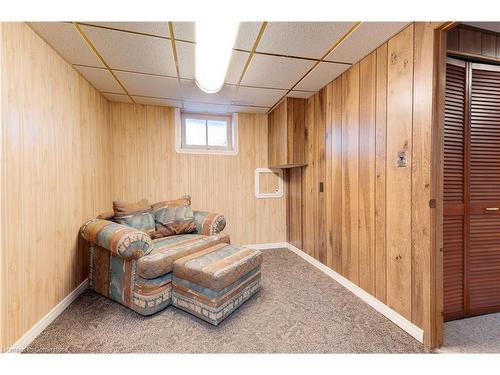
(114,277)
(212,283)
(121,208)
(167,250)
(174,219)
(129,267)
(208,223)
(143,221)
(183,201)
(119,239)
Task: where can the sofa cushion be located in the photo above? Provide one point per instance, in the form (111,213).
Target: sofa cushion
(218,266)
(183,201)
(167,250)
(174,217)
(121,208)
(142,221)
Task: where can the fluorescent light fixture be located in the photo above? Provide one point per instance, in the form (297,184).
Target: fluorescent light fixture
(214,44)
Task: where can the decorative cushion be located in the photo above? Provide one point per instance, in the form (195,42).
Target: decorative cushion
(108,215)
(183,201)
(142,221)
(167,250)
(126,208)
(174,217)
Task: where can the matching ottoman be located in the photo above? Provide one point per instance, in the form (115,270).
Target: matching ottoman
(213,283)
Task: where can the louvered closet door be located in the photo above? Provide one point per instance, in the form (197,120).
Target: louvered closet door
(483,252)
(471,219)
(454,190)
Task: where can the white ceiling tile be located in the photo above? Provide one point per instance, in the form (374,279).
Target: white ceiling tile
(275,72)
(184,31)
(250,96)
(185,57)
(243,109)
(206,107)
(236,65)
(101,79)
(117,98)
(367,37)
(305,39)
(321,75)
(134,52)
(67,41)
(247,34)
(300,94)
(157,101)
(153,28)
(191,92)
(149,85)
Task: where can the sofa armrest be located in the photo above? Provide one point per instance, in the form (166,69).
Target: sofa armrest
(208,223)
(119,239)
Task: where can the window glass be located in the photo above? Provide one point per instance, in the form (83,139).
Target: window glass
(217,133)
(196,133)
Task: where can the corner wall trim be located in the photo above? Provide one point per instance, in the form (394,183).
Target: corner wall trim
(393,316)
(29,336)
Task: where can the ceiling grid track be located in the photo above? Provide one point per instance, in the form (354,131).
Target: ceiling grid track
(176,61)
(99,56)
(321,59)
(249,59)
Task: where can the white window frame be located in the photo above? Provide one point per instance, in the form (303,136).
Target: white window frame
(182,148)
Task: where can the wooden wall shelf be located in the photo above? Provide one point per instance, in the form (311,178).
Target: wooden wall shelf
(287,134)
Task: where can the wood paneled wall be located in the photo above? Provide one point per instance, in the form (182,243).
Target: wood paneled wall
(475,43)
(146,165)
(373,224)
(55,162)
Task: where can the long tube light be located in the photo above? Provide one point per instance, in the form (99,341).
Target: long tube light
(214,44)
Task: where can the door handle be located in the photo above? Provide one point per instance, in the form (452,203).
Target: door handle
(492,208)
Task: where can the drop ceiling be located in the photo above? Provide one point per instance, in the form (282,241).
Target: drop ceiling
(153,62)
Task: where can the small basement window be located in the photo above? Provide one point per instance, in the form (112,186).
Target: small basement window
(206,134)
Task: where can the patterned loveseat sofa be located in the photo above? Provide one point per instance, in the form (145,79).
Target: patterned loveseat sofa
(133,249)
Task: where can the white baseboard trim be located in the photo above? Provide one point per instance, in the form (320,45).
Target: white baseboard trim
(268,246)
(29,336)
(385,310)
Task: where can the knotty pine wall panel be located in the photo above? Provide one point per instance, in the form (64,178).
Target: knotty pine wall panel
(377,214)
(55,175)
(146,165)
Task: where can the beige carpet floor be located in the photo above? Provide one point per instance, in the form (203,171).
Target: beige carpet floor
(480,334)
(298,310)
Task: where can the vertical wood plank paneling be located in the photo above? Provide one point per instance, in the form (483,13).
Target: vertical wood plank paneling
(350,187)
(336,172)
(144,146)
(379,107)
(294,206)
(488,45)
(320,120)
(56,158)
(380,167)
(399,186)
(367,95)
(469,41)
(330,234)
(421,171)
(308,182)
